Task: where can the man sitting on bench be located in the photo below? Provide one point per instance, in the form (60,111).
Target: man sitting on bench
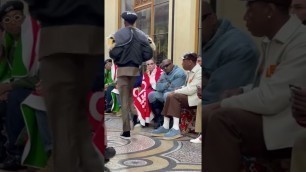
(184,97)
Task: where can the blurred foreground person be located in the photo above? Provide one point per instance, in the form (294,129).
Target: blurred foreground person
(71,44)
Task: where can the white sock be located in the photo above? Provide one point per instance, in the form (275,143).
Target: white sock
(166,122)
(176,122)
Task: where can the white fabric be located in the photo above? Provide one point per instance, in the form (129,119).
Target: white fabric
(166,122)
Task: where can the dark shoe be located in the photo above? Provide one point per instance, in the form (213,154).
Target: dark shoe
(108,111)
(146,125)
(125,135)
(157,125)
(110,152)
(159,121)
(135,120)
(12,163)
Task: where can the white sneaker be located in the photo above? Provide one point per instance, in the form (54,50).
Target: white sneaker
(197,140)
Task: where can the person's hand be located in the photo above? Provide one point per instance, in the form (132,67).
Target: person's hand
(4,87)
(38,88)
(3,97)
(299,105)
(105,87)
(231,92)
(171,93)
(199,92)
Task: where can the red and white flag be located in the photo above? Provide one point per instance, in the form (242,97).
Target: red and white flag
(140,97)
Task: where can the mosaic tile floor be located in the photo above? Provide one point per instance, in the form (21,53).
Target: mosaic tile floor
(145,153)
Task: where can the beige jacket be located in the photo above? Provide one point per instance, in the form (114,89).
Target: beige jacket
(194,79)
(285,63)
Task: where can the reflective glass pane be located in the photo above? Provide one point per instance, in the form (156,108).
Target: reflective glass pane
(144,20)
(160,1)
(161,22)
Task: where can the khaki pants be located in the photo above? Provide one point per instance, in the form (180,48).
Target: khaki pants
(125,87)
(66,80)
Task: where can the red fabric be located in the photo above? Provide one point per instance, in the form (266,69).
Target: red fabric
(35,28)
(187,121)
(95,112)
(141,102)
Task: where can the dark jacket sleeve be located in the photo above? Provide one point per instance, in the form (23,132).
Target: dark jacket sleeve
(147,52)
(238,70)
(116,53)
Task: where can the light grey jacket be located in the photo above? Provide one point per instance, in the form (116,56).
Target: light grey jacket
(285,63)
(194,79)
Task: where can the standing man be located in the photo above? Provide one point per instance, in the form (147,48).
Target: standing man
(131,48)
(71,44)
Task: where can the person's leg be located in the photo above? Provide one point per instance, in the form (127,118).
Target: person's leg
(172,107)
(14,120)
(174,104)
(230,134)
(3,138)
(65,88)
(133,112)
(91,158)
(156,103)
(44,130)
(125,86)
(298,157)
(14,124)
(108,98)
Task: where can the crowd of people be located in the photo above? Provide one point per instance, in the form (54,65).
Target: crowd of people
(245,98)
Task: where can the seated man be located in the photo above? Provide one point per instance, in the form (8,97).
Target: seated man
(259,118)
(184,97)
(229,56)
(298,156)
(172,79)
(18,75)
(140,93)
(109,84)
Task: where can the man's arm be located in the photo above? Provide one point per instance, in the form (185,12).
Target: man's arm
(299,106)
(162,83)
(178,81)
(273,95)
(191,88)
(147,52)
(234,73)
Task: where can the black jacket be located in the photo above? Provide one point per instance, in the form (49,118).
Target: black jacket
(67,12)
(134,52)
